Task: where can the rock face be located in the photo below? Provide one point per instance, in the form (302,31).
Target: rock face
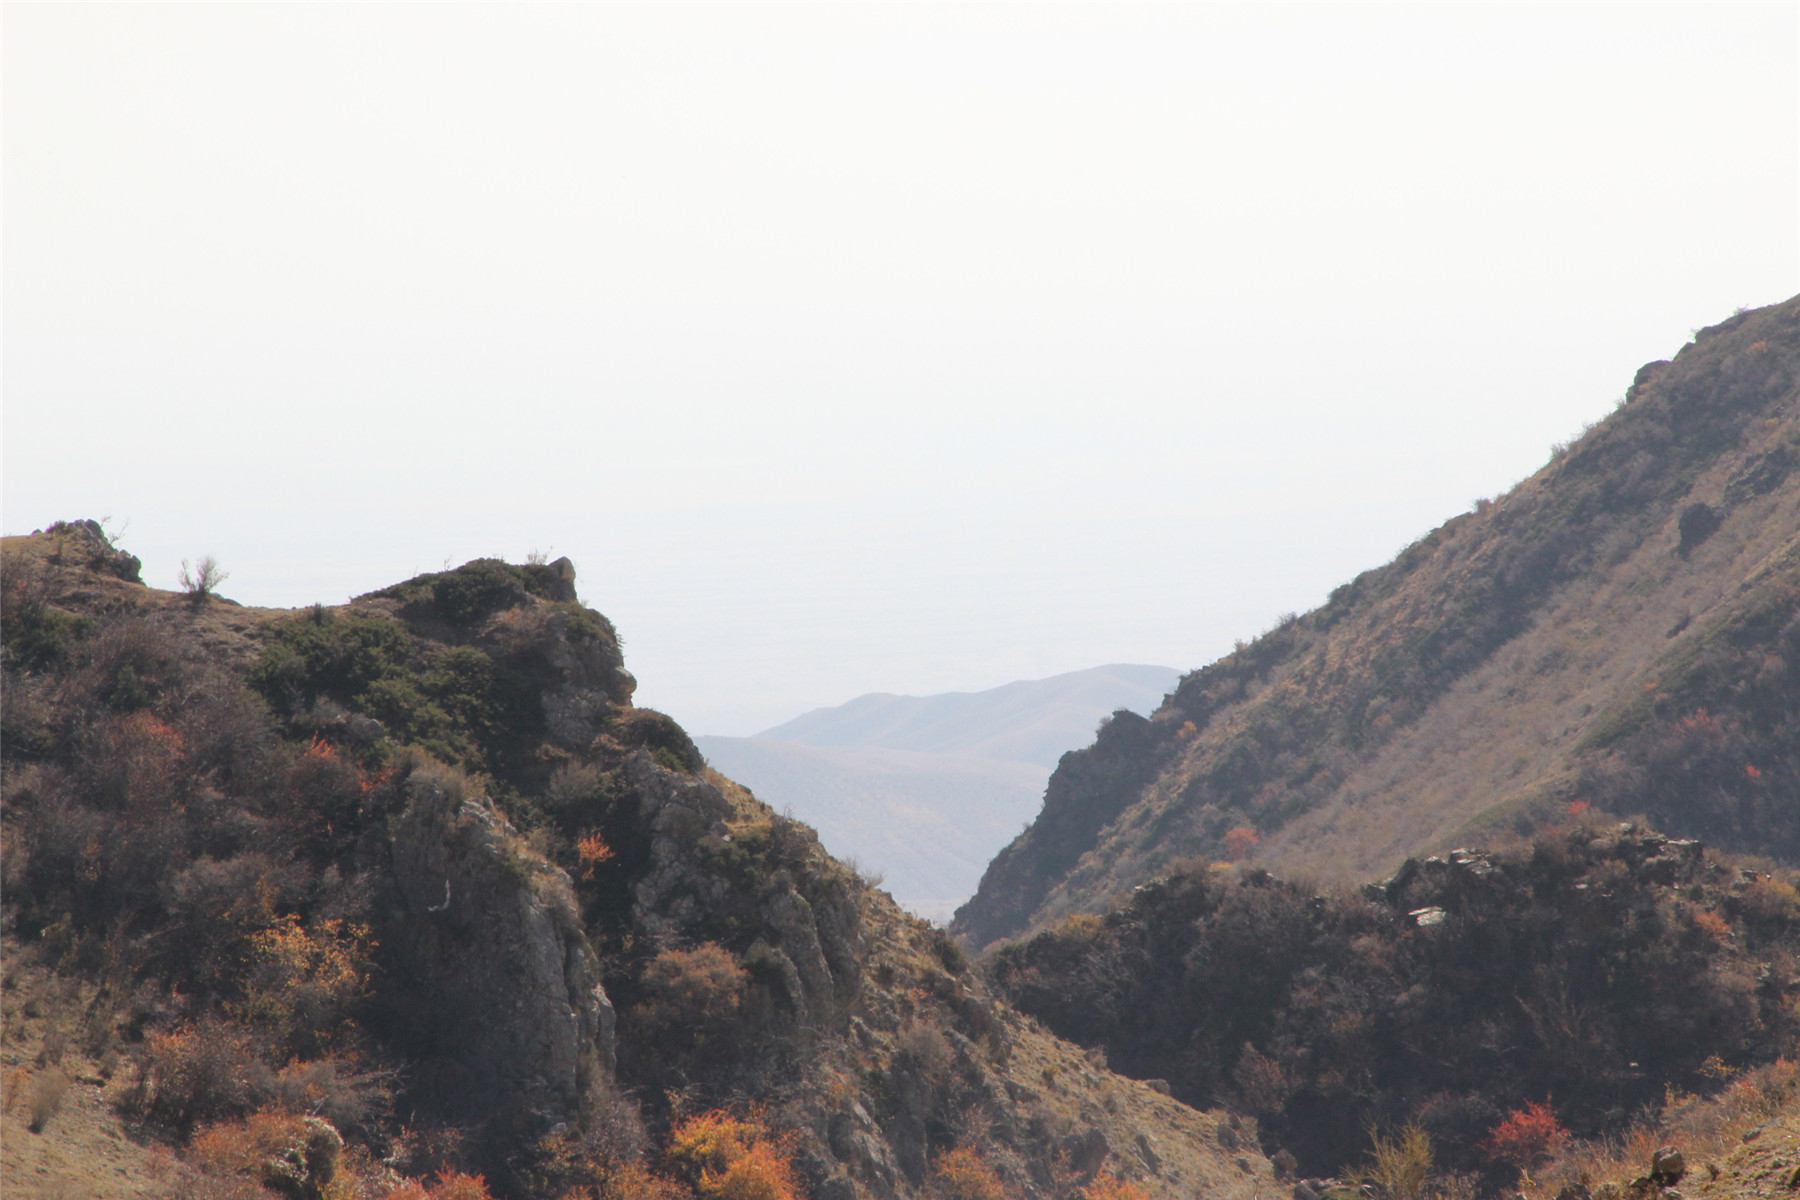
(814,945)
(496,990)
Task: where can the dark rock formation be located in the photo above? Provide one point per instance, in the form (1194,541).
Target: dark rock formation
(494,989)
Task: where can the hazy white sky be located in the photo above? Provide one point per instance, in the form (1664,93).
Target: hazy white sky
(858,348)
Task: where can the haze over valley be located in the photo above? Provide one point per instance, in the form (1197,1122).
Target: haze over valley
(419,420)
(925,789)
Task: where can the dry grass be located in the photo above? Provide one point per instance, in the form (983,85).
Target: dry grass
(80,1149)
(1711,1132)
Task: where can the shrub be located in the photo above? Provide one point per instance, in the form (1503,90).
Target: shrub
(46,1097)
(243,1147)
(724,1157)
(1240,842)
(306,978)
(454,1185)
(1400,1163)
(447,1185)
(1107,1186)
(333,1089)
(1529,1136)
(699,988)
(192,1075)
(591,851)
(962,1174)
(201,580)
(949,951)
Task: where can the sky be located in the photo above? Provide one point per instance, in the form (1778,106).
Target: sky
(855,348)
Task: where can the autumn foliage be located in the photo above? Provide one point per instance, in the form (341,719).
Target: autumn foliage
(962,1174)
(1529,1136)
(726,1157)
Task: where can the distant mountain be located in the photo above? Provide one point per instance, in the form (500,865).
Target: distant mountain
(1034,720)
(925,789)
(929,823)
(1619,632)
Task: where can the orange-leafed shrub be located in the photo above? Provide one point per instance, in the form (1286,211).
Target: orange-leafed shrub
(725,1157)
(1712,924)
(1529,1136)
(633,1181)
(962,1174)
(188,1075)
(306,978)
(1107,1186)
(454,1185)
(1240,842)
(231,1147)
(448,1185)
(591,851)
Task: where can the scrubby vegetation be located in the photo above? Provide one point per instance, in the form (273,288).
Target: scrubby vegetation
(1493,1004)
(202,844)
(405,900)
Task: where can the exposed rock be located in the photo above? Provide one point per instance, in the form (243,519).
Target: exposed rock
(697,875)
(500,993)
(305,1167)
(1668,1165)
(87,542)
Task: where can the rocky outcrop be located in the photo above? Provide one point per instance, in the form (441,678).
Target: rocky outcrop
(495,990)
(1090,789)
(712,862)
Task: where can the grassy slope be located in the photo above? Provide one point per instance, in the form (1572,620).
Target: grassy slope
(1466,685)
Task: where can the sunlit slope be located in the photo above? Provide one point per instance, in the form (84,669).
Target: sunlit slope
(1617,629)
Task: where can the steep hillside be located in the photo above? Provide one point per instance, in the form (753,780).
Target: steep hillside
(1617,631)
(371,900)
(926,789)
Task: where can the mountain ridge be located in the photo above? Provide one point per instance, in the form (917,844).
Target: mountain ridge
(1540,651)
(1061,709)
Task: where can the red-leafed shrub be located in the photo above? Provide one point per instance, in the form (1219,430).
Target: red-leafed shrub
(1529,1136)
(1240,842)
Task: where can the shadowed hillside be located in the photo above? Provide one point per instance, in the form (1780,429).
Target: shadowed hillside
(1617,631)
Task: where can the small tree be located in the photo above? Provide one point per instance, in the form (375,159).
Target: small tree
(1529,1137)
(202,579)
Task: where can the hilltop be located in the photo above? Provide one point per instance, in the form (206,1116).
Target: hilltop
(405,898)
(1618,632)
